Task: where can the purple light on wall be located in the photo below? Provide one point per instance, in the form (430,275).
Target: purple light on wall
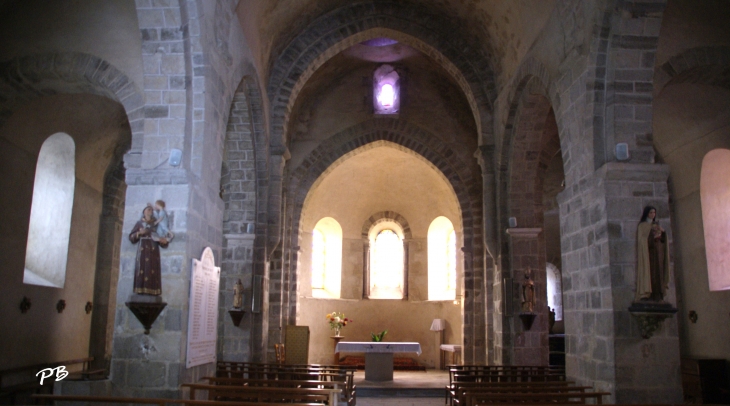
(386,90)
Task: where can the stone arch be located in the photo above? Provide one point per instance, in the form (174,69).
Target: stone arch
(429,32)
(25,78)
(701,65)
(465,186)
(530,141)
(386,215)
(244,165)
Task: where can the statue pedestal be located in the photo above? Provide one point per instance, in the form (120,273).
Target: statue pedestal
(650,315)
(146,308)
(236,316)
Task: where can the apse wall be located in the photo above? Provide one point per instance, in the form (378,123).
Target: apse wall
(389,179)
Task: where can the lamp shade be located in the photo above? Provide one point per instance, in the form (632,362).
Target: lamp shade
(438,325)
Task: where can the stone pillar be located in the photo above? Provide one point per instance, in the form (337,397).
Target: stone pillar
(485,158)
(530,346)
(604,347)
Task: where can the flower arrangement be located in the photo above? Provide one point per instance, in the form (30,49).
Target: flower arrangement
(337,321)
(378,337)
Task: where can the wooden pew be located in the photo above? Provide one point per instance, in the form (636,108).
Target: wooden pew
(265,394)
(323,372)
(453,389)
(480,398)
(158,401)
(349,396)
(460,393)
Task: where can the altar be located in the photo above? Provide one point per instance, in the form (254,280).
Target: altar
(378,356)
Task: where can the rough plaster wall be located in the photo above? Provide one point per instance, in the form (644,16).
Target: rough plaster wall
(107,29)
(690,120)
(95,124)
(388,179)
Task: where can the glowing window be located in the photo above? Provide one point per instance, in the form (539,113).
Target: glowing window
(327,258)
(387,95)
(441,260)
(554,291)
(715,198)
(387,88)
(386,266)
(50,213)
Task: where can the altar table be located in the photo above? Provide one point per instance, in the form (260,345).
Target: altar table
(378,356)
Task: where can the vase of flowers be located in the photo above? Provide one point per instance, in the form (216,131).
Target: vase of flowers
(337,321)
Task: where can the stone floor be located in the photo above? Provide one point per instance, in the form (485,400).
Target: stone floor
(407,379)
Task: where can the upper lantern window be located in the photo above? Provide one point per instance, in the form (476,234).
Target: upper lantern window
(715,200)
(387,90)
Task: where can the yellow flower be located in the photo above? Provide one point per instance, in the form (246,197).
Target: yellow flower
(328,316)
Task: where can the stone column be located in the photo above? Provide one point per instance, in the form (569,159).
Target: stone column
(604,347)
(530,346)
(485,158)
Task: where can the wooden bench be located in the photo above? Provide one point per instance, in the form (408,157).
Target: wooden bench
(460,394)
(451,390)
(157,401)
(480,398)
(348,395)
(265,394)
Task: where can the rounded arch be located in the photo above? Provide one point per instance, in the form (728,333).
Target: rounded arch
(702,65)
(462,178)
(354,23)
(385,216)
(25,78)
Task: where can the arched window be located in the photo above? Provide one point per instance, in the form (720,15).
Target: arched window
(387,90)
(327,258)
(441,260)
(554,290)
(50,213)
(715,198)
(387,277)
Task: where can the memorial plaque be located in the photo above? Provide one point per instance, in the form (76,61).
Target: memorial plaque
(203,310)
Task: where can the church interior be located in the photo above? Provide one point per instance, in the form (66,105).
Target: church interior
(465,172)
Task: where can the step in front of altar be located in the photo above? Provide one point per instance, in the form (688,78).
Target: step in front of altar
(399,363)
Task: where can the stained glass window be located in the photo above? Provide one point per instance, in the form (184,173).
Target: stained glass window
(386,266)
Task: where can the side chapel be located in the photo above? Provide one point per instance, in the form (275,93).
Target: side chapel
(397,161)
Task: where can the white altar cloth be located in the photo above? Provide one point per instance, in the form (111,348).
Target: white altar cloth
(381,347)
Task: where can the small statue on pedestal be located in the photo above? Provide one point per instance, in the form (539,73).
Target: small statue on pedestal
(528,293)
(238,295)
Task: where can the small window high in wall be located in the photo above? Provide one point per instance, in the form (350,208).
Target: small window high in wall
(715,198)
(50,214)
(386,90)
(327,259)
(441,260)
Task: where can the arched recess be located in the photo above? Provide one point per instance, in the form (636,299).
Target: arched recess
(100,97)
(529,148)
(464,183)
(244,164)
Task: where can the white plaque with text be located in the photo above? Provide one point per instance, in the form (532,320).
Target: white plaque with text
(203,314)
